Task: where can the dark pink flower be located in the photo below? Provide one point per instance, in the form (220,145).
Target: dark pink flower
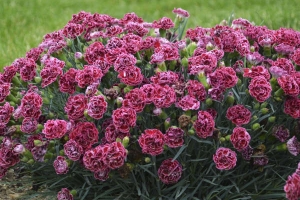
(85,134)
(115,155)
(102,174)
(168,77)
(204,125)
(8,158)
(196,89)
(111,134)
(256,71)
(163,96)
(60,165)
(75,106)
(174,137)
(132,42)
(247,152)
(8,73)
(124,60)
(136,28)
(292,107)
(131,17)
(90,74)
(180,12)
(64,194)
(289,85)
(67,82)
(223,77)
(49,74)
(34,53)
(163,23)
(96,107)
(27,69)
(238,115)
(284,64)
(55,129)
(148,89)
(131,76)
(4,91)
(5,113)
(205,59)
(260,88)
(240,138)
(135,99)
(151,142)
(29,125)
(188,103)
(73,150)
(96,51)
(292,187)
(93,159)
(31,104)
(170,171)
(124,118)
(224,158)
(293,146)
(281,133)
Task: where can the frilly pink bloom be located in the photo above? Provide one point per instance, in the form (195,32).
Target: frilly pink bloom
(170,171)
(188,103)
(60,165)
(54,129)
(240,138)
(181,13)
(293,146)
(73,150)
(151,142)
(238,115)
(225,159)
(64,194)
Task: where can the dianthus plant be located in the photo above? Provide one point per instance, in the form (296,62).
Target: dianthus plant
(109,108)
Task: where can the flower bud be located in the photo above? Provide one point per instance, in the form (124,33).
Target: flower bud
(255,126)
(78,55)
(239,83)
(30,161)
(227,137)
(62,152)
(252,49)
(73,192)
(209,46)
(191,48)
(37,79)
(184,62)
(172,65)
(222,139)
(127,89)
(191,132)
(167,123)
(38,143)
(208,102)
(125,141)
(230,99)
(202,78)
(256,106)
(147,160)
(279,93)
(272,119)
(264,110)
(281,147)
(162,66)
(264,105)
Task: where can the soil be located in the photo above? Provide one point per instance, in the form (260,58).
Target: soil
(13,187)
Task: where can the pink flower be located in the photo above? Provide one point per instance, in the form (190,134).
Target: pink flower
(90,74)
(132,42)
(115,155)
(135,99)
(281,133)
(102,174)
(5,113)
(93,159)
(163,96)
(96,107)
(8,73)
(60,165)
(111,134)
(34,53)
(96,51)
(8,158)
(224,158)
(238,115)
(240,138)
(29,125)
(188,103)
(85,134)
(260,88)
(292,187)
(284,64)
(31,104)
(67,82)
(296,56)
(152,141)
(168,77)
(124,118)
(174,137)
(131,76)
(27,69)
(55,129)
(256,71)
(204,125)
(75,106)
(73,150)
(64,194)
(293,146)
(289,85)
(196,90)
(180,12)
(292,107)
(72,30)
(163,23)
(123,60)
(224,77)
(170,171)
(148,89)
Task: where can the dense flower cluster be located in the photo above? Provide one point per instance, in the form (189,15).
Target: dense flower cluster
(102,94)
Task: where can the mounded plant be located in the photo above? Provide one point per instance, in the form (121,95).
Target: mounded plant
(110,108)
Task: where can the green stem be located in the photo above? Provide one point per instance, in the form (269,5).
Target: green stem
(157,179)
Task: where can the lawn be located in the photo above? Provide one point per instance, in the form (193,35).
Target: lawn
(24,23)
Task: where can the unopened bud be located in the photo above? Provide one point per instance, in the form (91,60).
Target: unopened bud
(227,137)
(256,106)
(255,126)
(167,123)
(222,139)
(264,105)
(184,62)
(272,119)
(191,132)
(37,143)
(191,48)
(125,141)
(264,110)
(209,102)
(37,79)
(147,160)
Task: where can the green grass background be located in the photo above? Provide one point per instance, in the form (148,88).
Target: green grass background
(23,23)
